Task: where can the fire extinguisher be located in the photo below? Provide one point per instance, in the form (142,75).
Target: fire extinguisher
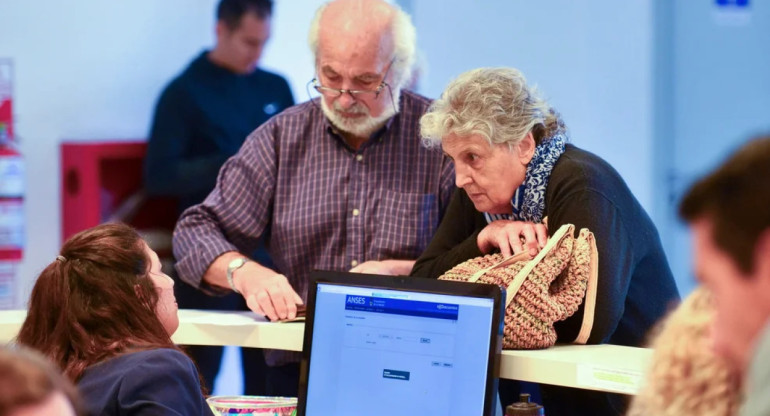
(12,234)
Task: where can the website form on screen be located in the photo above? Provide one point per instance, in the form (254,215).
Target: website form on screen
(374,349)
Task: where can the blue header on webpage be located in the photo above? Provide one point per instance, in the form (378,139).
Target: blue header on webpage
(402,307)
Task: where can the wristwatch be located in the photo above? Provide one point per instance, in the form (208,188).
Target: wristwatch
(234,265)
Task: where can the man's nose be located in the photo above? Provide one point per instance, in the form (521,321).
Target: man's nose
(346,100)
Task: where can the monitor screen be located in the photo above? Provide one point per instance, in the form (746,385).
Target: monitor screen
(388,351)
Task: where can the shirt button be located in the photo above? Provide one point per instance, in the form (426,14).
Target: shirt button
(359,157)
(356,212)
(354,263)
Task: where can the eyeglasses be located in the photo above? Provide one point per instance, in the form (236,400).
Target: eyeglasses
(356,94)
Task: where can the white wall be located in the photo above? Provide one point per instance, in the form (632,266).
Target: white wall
(92,70)
(715,95)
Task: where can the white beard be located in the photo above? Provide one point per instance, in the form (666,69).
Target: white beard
(360,126)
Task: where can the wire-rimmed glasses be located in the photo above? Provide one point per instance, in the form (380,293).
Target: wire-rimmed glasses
(357,95)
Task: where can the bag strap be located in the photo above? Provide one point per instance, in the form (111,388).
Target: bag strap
(590,299)
(524,255)
(517,281)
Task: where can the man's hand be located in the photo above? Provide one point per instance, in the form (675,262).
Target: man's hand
(386,267)
(266,292)
(512,237)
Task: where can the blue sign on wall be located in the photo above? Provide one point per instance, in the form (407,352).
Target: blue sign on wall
(732,3)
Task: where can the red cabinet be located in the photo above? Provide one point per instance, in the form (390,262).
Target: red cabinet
(102,182)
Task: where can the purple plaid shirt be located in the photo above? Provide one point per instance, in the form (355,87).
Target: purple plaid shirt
(325,205)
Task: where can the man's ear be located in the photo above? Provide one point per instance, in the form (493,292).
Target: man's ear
(221,29)
(526,148)
(762,259)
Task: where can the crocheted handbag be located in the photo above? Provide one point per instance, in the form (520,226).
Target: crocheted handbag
(543,290)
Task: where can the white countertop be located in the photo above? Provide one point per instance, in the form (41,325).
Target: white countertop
(597,367)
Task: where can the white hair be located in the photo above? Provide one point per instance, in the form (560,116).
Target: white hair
(404,41)
(495,103)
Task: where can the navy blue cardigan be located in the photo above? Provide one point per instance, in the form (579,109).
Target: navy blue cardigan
(151,382)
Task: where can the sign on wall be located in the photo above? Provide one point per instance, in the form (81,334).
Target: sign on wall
(732,12)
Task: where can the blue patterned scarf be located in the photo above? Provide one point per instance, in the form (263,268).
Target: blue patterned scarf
(528,201)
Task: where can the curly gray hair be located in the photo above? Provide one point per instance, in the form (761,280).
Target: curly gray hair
(495,103)
(685,376)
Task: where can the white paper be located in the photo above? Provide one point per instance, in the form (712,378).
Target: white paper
(606,378)
(220,318)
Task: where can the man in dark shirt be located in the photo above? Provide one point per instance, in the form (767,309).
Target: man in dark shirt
(201,119)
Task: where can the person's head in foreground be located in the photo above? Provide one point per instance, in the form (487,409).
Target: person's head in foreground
(729,215)
(491,122)
(31,386)
(105,294)
(685,376)
(364,53)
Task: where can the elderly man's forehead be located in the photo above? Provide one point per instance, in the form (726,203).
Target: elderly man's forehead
(366,56)
(358,53)
(373,11)
(355,38)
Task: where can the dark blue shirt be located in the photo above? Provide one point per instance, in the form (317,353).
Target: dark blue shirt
(152,382)
(201,119)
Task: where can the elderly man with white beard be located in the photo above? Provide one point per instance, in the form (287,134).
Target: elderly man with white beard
(340,182)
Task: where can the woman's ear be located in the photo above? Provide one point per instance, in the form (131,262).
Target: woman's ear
(526,148)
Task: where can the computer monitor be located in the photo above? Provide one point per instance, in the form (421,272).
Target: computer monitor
(384,345)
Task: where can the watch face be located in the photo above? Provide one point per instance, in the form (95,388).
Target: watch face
(236,263)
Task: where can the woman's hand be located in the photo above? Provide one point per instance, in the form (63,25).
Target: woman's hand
(512,237)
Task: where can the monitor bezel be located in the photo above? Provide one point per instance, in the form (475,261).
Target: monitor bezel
(415,284)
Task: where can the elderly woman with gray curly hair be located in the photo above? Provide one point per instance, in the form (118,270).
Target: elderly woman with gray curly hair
(514,168)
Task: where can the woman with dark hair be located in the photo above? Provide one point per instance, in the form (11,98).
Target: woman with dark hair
(104,312)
